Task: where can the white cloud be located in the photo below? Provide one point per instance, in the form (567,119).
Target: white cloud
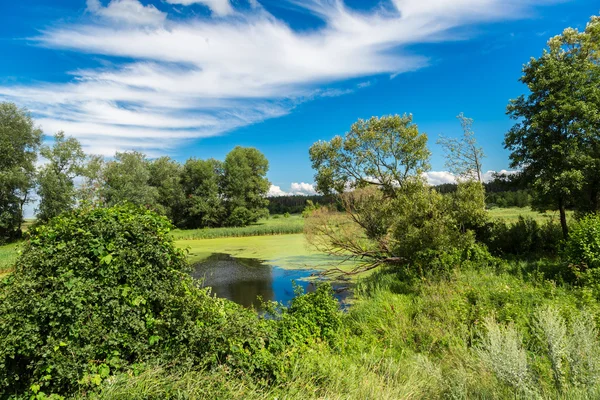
(489,175)
(219,7)
(275,191)
(439,177)
(176,79)
(296,189)
(128,11)
(302,188)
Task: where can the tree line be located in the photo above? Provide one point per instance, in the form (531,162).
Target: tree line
(198,193)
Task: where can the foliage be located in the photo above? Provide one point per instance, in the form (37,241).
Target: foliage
(583,246)
(99,290)
(386,152)
(555,140)
(203,204)
(244,186)
(296,204)
(127,179)
(526,237)
(463,156)
(19,141)
(55,182)
(165,176)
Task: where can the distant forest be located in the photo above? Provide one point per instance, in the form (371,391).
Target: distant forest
(498,193)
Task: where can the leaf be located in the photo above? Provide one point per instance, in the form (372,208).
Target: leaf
(106,259)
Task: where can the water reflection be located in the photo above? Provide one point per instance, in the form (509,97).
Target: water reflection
(243,280)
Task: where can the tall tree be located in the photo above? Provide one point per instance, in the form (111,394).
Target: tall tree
(463,156)
(165,176)
(92,185)
(245,185)
(203,204)
(55,184)
(391,215)
(556,140)
(127,178)
(19,142)
(385,152)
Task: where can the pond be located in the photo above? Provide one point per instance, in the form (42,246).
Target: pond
(243,280)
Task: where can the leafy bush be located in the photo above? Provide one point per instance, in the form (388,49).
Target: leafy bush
(523,238)
(99,291)
(583,246)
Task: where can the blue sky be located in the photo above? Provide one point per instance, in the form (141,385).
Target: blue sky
(196,77)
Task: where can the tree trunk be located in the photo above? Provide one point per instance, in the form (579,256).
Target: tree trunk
(563,219)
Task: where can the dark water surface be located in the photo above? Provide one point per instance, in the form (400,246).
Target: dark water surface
(244,279)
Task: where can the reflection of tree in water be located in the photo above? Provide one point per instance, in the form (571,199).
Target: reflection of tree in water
(239,279)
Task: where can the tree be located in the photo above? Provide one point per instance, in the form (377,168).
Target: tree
(463,156)
(556,140)
(391,215)
(91,188)
(165,176)
(203,203)
(245,186)
(385,152)
(127,179)
(55,182)
(19,141)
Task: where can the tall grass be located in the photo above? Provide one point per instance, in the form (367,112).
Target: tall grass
(270,226)
(8,256)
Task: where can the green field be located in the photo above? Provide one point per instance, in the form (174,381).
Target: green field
(513,214)
(274,225)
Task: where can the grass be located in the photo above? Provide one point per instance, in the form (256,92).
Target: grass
(8,255)
(512,214)
(470,335)
(274,225)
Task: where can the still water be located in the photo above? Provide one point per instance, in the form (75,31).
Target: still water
(243,280)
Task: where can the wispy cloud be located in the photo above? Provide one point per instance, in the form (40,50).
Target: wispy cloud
(178,79)
(219,7)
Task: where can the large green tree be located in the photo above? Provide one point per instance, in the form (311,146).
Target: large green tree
(385,152)
(203,204)
(555,141)
(19,142)
(127,178)
(165,176)
(55,184)
(244,185)
(391,215)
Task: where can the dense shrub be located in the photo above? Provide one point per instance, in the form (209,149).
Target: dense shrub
(583,246)
(523,238)
(99,291)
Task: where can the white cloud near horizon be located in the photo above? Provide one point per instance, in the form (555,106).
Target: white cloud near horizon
(296,189)
(173,80)
(440,177)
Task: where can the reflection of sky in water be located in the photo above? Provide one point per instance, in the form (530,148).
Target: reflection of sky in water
(244,279)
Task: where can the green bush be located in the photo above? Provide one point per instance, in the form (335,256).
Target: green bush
(583,246)
(525,237)
(98,291)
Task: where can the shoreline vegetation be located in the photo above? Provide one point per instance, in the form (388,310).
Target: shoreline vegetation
(201,246)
